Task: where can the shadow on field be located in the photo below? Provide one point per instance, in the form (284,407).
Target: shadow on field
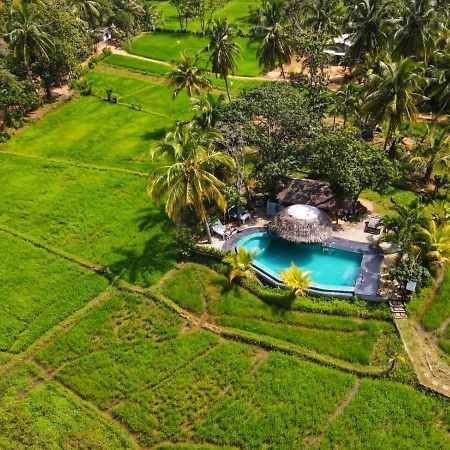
(145,264)
(155,135)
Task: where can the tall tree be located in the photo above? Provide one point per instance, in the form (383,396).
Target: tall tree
(368,24)
(347,101)
(207,109)
(419,25)
(393,93)
(189,181)
(433,153)
(224,51)
(434,242)
(187,75)
(87,10)
(275,49)
(323,16)
(26,36)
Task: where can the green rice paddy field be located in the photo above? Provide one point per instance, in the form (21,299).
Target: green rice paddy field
(93,352)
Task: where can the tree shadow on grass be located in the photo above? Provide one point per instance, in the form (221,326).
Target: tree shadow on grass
(145,264)
(154,135)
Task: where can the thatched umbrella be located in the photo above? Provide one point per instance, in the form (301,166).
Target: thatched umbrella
(302,223)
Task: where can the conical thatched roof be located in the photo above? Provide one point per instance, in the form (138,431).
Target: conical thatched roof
(302,223)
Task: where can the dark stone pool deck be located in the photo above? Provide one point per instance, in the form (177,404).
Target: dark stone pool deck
(368,280)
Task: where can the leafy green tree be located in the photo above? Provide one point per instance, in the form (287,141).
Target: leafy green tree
(441,213)
(17,98)
(275,49)
(189,180)
(419,25)
(350,164)
(207,109)
(296,280)
(224,51)
(206,11)
(187,75)
(368,24)
(241,263)
(26,37)
(439,82)
(186,9)
(87,10)
(433,153)
(393,93)
(278,123)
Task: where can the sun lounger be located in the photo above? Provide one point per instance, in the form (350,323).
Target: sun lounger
(373,226)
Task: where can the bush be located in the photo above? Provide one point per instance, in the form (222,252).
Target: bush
(186,242)
(84,87)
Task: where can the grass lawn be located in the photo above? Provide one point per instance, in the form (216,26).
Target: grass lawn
(236,11)
(167,46)
(123,140)
(103,217)
(149,67)
(38,290)
(38,414)
(439,309)
(386,415)
(199,289)
(139,90)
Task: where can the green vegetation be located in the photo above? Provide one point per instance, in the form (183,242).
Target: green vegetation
(140,65)
(103,217)
(199,289)
(367,421)
(167,46)
(38,291)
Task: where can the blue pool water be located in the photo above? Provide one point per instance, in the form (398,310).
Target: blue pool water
(331,268)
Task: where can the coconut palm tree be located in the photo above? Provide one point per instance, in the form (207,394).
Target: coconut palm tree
(207,109)
(347,101)
(187,75)
(296,280)
(393,93)
(434,153)
(241,263)
(400,228)
(323,15)
(276,48)
(434,242)
(188,181)
(27,39)
(368,24)
(419,25)
(224,51)
(87,10)
(440,80)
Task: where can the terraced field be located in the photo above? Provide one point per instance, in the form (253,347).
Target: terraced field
(107,342)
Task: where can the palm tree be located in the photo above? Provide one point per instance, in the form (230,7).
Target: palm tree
(435,153)
(189,180)
(434,241)
(347,101)
(241,263)
(187,75)
(27,39)
(369,21)
(400,227)
(296,280)
(207,109)
(223,50)
(322,15)
(419,25)
(440,81)
(275,49)
(393,93)
(441,213)
(87,10)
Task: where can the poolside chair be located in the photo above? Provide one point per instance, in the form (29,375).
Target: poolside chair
(373,226)
(233,213)
(218,228)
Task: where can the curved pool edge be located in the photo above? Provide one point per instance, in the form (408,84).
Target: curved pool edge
(367,282)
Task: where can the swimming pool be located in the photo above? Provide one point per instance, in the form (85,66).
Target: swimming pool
(331,269)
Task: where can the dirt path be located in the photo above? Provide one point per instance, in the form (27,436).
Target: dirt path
(431,370)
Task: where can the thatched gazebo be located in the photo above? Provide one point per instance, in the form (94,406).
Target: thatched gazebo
(302,223)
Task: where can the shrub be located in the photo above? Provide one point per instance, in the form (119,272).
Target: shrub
(185,242)
(84,87)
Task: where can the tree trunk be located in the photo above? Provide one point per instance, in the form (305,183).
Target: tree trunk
(282,71)
(428,172)
(388,135)
(334,119)
(440,111)
(226,85)
(208,231)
